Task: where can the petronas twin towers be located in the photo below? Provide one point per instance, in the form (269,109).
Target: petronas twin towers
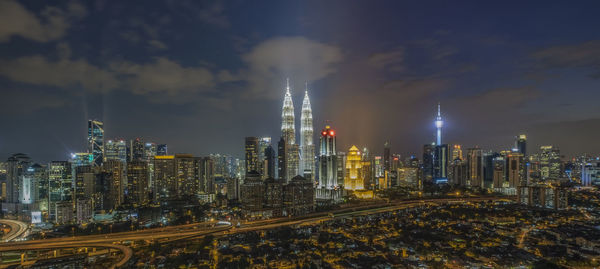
(299,160)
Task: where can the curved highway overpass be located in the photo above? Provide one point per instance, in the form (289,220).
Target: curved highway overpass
(17,229)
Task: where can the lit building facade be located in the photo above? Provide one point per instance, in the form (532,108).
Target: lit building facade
(354,179)
(288,133)
(252,154)
(60,184)
(327,159)
(550,163)
(116,150)
(307,147)
(590,173)
(137,182)
(475,166)
(116,168)
(96,141)
(457,152)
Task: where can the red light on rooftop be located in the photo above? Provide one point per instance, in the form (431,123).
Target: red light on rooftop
(331,133)
(324,133)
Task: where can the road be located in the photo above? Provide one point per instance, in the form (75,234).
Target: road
(116,240)
(17,229)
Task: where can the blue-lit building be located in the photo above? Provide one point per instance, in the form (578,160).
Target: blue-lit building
(436,155)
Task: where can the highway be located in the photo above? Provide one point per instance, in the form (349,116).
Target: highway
(17,229)
(170,233)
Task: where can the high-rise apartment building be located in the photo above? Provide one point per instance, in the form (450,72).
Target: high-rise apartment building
(550,163)
(116,168)
(515,169)
(475,165)
(137,182)
(252,154)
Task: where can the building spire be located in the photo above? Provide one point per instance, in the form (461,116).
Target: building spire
(438,124)
(306,88)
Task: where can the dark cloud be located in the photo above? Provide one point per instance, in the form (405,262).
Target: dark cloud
(163,76)
(51,24)
(391,60)
(586,54)
(38,70)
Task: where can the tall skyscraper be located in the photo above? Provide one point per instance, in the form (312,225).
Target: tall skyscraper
(60,184)
(252,154)
(96,141)
(387,157)
(354,179)
(84,178)
(521,144)
(515,169)
(435,156)
(438,124)
(205,170)
(489,169)
(136,150)
(16,166)
(440,163)
(428,152)
(288,123)
(288,132)
(164,177)
(550,162)
(269,162)
(264,143)
(475,165)
(327,159)
(116,169)
(307,147)
(499,172)
(186,173)
(137,182)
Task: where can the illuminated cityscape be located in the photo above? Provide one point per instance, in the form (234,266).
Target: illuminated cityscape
(429,135)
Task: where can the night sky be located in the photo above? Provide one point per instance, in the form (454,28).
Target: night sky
(200,76)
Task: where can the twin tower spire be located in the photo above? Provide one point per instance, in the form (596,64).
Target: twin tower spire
(288,130)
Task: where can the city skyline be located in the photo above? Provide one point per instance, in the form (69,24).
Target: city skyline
(494,80)
(299,134)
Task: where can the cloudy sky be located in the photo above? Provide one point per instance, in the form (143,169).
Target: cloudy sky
(200,76)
